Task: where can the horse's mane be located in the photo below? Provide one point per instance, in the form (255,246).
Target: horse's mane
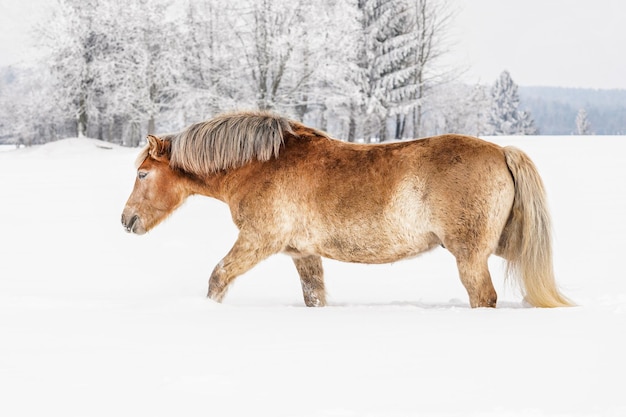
(228,141)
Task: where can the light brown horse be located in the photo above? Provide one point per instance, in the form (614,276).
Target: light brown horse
(293,189)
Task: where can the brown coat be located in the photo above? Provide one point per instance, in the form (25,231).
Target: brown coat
(293,189)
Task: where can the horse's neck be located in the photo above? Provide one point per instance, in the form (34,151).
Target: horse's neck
(211,185)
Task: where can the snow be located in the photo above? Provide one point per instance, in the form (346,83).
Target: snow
(97,322)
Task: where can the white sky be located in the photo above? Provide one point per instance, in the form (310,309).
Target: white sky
(17,20)
(570,43)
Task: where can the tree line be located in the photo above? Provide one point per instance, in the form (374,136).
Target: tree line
(366,70)
(566,111)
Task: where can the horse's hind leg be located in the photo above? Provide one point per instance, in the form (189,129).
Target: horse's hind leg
(312,280)
(474,273)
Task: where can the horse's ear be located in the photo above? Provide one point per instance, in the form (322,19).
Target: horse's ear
(159,149)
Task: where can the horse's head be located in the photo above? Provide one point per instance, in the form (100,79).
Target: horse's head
(158,190)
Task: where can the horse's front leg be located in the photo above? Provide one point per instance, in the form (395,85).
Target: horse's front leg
(312,280)
(244,255)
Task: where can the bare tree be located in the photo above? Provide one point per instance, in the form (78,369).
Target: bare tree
(457,108)
(268,39)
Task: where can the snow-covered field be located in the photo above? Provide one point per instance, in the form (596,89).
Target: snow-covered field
(97,322)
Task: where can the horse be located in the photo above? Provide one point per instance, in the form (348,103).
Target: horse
(293,189)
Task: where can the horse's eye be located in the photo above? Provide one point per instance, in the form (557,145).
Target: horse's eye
(142,174)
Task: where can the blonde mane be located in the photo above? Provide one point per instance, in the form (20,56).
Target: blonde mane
(228,141)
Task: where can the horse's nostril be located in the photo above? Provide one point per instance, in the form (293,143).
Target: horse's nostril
(129,223)
(132,223)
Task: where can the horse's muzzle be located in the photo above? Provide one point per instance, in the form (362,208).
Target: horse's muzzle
(132,224)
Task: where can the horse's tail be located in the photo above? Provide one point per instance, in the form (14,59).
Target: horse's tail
(526,242)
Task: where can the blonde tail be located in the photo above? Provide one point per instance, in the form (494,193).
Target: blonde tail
(526,242)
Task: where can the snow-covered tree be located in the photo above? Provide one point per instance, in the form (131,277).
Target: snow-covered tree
(457,108)
(213,75)
(526,124)
(27,116)
(273,54)
(329,55)
(76,41)
(505,117)
(479,106)
(272,34)
(367,111)
(119,69)
(424,40)
(143,72)
(111,65)
(583,127)
(398,44)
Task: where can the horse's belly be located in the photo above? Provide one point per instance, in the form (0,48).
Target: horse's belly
(369,249)
(374,232)
(369,256)
(377,251)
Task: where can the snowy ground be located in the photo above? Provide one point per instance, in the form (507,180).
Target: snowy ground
(96,322)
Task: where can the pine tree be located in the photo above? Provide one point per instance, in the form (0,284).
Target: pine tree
(583,127)
(426,25)
(505,117)
(366,108)
(526,125)
(399,42)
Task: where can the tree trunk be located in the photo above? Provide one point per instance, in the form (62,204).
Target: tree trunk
(151,125)
(400,124)
(383,131)
(81,119)
(323,120)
